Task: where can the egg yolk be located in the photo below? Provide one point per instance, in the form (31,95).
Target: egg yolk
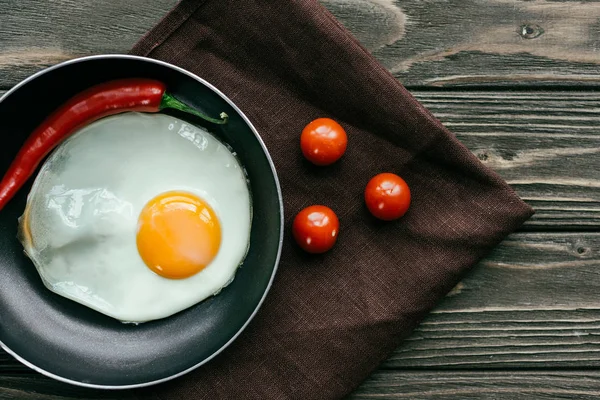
(178,234)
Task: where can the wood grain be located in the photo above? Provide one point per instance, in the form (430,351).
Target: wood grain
(504,338)
(545,144)
(531,304)
(37,34)
(465,385)
(424,43)
(495,42)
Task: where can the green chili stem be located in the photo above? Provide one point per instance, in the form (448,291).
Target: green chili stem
(169,101)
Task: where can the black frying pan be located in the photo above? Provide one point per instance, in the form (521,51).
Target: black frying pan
(69,342)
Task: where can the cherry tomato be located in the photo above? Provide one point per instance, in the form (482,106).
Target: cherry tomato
(323,141)
(316,229)
(387,196)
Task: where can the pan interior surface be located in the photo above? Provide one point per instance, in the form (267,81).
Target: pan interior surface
(75,344)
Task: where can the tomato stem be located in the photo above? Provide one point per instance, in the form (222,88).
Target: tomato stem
(168,101)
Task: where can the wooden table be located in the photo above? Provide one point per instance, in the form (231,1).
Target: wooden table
(517,81)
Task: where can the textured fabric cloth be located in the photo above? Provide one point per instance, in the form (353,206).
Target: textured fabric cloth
(329,320)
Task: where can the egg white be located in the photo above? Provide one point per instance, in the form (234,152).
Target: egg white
(79,226)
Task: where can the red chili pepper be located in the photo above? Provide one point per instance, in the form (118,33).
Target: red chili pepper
(142,95)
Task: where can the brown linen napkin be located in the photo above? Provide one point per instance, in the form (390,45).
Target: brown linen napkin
(330,320)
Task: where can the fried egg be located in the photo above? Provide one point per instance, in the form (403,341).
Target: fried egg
(138,216)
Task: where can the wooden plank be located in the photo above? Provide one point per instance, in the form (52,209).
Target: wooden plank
(464,385)
(423,43)
(480,42)
(545,144)
(35,35)
(533,303)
